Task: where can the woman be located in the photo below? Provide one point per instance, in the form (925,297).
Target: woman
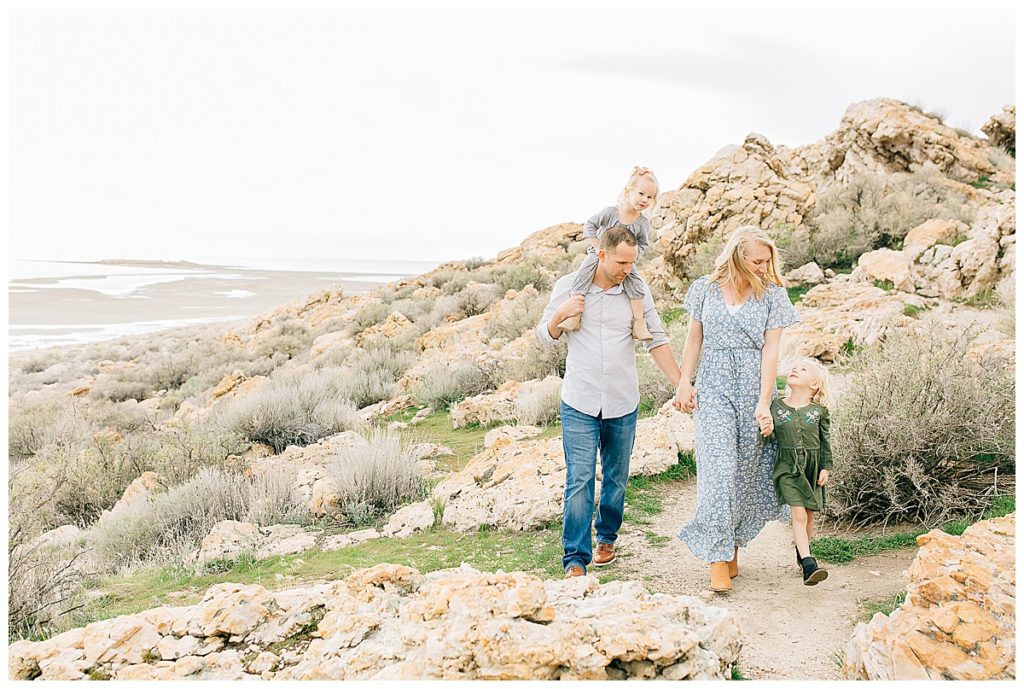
(736,319)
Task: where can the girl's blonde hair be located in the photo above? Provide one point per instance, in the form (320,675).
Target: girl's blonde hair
(823,395)
(731,265)
(634,178)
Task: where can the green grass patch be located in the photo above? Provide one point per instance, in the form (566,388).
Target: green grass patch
(912,311)
(535,552)
(882,605)
(982,300)
(839,550)
(797,293)
(887,285)
(656,540)
(849,348)
(465,442)
(981,183)
(735,673)
(643,499)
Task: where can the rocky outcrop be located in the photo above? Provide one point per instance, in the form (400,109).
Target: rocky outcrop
(390,327)
(391,622)
(884,136)
(1001,129)
(519,485)
(841,312)
(958,618)
(554,240)
(948,259)
(741,185)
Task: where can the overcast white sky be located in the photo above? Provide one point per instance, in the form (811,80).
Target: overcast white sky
(187,134)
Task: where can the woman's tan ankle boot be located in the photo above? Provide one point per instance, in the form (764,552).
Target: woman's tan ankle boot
(734,566)
(720,580)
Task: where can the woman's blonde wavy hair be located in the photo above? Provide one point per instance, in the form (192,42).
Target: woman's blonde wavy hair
(731,265)
(823,395)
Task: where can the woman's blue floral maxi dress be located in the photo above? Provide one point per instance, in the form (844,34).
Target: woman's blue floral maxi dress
(735,494)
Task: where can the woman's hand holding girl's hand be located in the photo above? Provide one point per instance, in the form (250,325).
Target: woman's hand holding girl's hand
(763,415)
(823,477)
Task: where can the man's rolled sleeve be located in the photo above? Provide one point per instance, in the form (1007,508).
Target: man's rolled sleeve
(653,321)
(559,293)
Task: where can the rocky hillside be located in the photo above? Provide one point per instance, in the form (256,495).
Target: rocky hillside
(893,223)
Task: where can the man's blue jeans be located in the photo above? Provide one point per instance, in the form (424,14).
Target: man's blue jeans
(582,436)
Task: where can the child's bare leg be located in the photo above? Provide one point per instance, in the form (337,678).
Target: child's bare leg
(640,330)
(810,526)
(800,530)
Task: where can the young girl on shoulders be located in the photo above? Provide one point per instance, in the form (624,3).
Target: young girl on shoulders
(638,195)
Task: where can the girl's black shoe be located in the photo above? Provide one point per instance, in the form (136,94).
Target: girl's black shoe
(812,575)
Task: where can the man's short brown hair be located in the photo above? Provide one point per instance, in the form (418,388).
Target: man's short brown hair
(617,235)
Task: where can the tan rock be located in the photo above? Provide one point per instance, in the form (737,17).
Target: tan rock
(513,433)
(129,639)
(1001,128)
(228,540)
(388,328)
(410,519)
(838,312)
(807,274)
(331,342)
(137,493)
(885,265)
(958,620)
(929,233)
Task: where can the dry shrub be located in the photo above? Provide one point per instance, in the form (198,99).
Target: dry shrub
(925,434)
(448,383)
(171,524)
(872,211)
(294,409)
(372,480)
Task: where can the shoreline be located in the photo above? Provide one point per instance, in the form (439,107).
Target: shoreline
(46,312)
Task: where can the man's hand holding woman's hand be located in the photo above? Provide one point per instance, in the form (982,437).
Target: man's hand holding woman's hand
(686,397)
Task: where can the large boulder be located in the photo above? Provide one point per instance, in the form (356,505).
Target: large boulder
(958,620)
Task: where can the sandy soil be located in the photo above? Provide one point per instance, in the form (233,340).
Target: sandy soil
(790,631)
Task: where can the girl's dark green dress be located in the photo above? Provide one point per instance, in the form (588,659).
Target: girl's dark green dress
(804,450)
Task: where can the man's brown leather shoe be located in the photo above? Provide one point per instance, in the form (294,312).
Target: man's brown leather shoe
(574,571)
(605,554)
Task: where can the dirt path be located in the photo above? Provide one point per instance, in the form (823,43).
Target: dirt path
(790,631)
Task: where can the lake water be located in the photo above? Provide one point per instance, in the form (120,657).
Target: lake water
(62,302)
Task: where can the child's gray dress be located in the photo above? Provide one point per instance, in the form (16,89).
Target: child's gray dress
(735,493)
(597,226)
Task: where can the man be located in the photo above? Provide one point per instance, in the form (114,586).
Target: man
(600,396)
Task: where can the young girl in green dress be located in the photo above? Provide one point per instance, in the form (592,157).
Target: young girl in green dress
(801,426)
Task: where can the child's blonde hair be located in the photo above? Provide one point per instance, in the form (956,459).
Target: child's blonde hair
(731,266)
(634,178)
(823,395)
